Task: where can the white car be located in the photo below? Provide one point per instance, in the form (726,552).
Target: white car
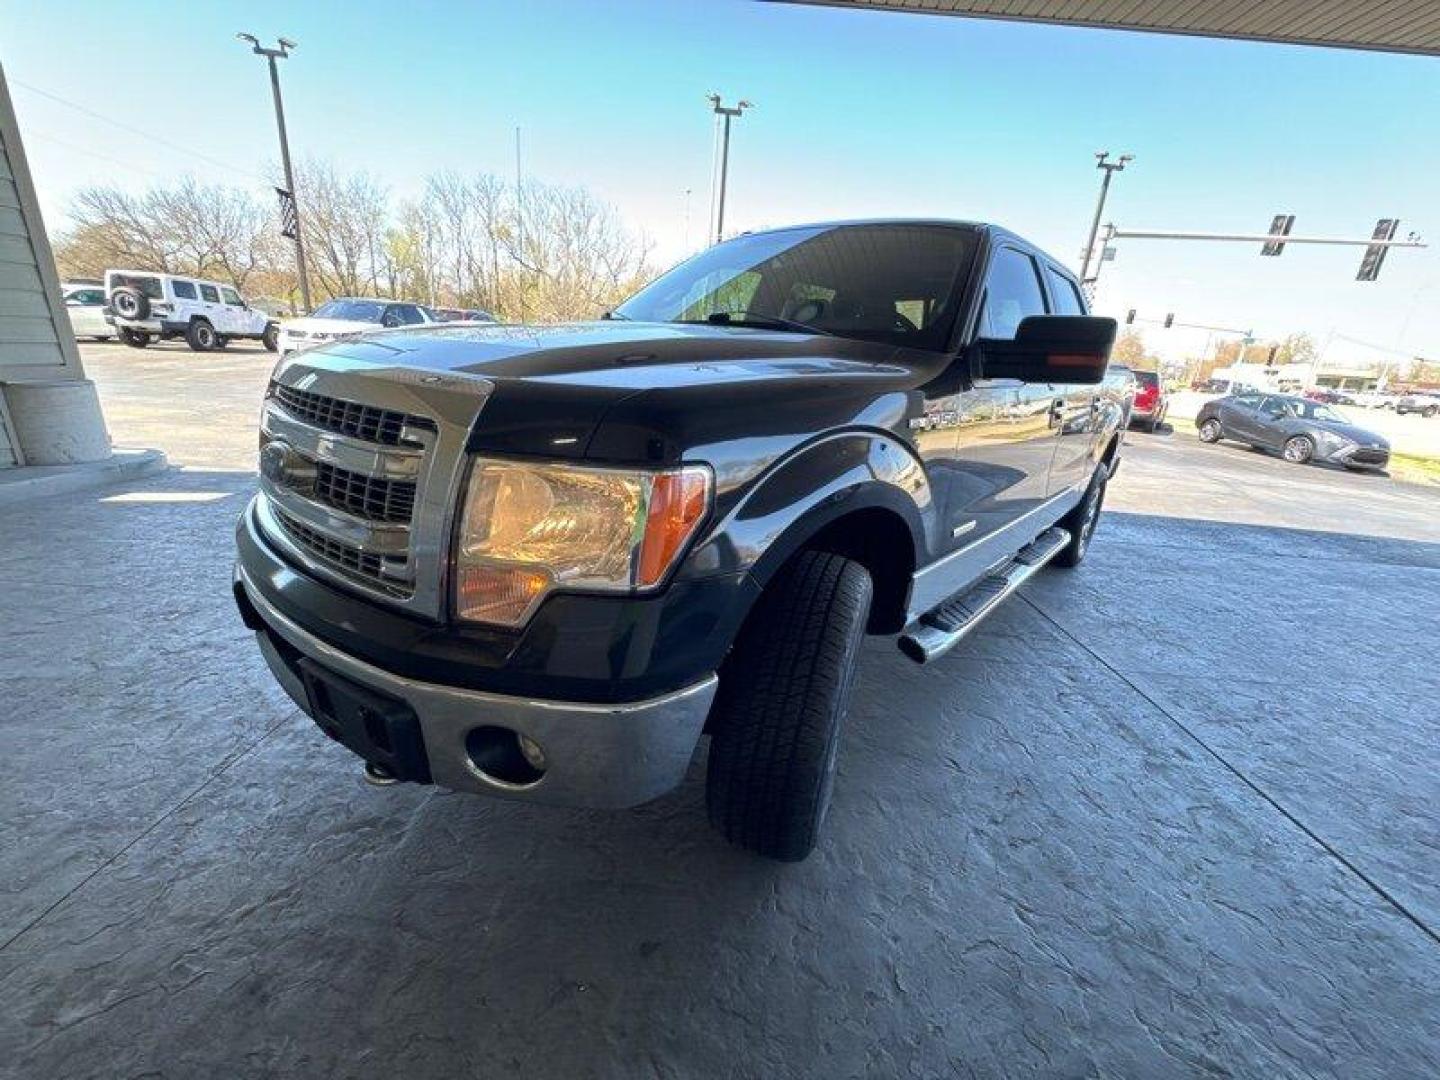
(346,316)
(143,306)
(85,304)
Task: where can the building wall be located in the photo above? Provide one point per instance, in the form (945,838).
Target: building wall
(35,340)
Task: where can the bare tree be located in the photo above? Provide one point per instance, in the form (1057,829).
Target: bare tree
(545,252)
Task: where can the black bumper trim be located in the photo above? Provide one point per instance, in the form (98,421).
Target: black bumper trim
(596,649)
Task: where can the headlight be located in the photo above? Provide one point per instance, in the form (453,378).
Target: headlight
(529,528)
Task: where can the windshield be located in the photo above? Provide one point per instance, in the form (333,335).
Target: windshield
(351,310)
(889,283)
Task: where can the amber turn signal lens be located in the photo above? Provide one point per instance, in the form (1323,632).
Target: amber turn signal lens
(677,505)
(500,594)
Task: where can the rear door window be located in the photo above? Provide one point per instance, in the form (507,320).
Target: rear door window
(210,294)
(1063,294)
(184,290)
(1012,291)
(146,283)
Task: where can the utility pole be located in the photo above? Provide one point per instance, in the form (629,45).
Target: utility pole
(724,113)
(282,50)
(1110,168)
(687,221)
(521,276)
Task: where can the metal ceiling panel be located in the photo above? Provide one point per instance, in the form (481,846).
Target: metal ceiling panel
(1409,26)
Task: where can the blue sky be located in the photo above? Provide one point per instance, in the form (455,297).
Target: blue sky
(858,114)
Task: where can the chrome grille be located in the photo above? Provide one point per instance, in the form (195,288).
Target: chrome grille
(364,496)
(362,466)
(365,422)
(351,559)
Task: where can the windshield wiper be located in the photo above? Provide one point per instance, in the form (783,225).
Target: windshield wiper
(753,319)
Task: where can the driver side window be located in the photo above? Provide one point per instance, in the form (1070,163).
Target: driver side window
(1012,292)
(1274,408)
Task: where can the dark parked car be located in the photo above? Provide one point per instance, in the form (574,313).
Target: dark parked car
(464,315)
(1298,429)
(1151,401)
(543,565)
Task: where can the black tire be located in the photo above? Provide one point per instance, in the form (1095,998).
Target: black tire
(1298,449)
(271,337)
(201,336)
(221,341)
(1431,411)
(130,303)
(136,339)
(1080,522)
(784,692)
(1210,431)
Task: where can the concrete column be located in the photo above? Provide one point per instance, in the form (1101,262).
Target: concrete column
(57,422)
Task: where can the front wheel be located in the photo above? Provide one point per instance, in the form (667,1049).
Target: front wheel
(783,695)
(1080,523)
(271,338)
(1210,431)
(1298,449)
(136,339)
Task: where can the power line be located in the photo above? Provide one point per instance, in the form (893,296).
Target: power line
(139,131)
(43,137)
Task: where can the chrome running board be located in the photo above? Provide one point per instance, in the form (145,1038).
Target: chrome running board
(940,629)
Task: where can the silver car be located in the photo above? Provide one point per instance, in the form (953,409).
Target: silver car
(1298,429)
(85,304)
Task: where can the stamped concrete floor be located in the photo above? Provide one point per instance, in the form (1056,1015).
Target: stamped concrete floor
(1176,813)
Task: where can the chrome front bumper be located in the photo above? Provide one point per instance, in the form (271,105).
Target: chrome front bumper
(597,755)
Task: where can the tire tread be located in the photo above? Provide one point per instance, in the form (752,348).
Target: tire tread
(783,695)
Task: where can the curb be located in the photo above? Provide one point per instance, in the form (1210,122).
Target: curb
(39,481)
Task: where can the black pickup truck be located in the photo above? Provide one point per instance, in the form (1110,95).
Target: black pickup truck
(542,562)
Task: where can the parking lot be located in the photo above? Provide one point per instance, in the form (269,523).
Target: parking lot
(1174,813)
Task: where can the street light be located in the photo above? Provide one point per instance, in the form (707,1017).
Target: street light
(284,47)
(726,113)
(1110,168)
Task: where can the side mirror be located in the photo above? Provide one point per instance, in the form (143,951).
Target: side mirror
(1050,348)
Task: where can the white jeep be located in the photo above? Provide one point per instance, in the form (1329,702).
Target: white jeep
(143,306)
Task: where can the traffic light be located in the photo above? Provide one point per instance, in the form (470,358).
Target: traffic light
(1129,319)
(1169,319)
(1280,225)
(1374,256)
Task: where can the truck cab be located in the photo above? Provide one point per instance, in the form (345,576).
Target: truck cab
(544,562)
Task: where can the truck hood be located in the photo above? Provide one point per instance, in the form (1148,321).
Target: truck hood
(555,385)
(618,354)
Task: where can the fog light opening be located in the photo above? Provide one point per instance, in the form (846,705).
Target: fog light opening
(504,757)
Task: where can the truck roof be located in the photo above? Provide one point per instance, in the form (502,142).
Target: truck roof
(988,228)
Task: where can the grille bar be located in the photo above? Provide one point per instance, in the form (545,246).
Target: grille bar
(343,556)
(364,496)
(366,422)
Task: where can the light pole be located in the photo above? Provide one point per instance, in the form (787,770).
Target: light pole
(283,49)
(1110,168)
(726,113)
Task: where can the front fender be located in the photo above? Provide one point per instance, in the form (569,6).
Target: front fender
(812,487)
